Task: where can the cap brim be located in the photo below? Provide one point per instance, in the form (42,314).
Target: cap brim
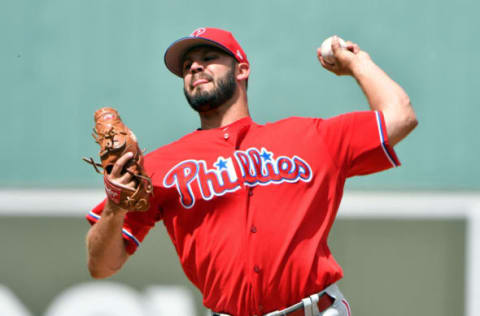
(174,55)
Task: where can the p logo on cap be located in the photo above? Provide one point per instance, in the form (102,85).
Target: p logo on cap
(198,32)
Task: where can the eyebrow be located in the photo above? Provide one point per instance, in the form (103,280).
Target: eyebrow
(203,51)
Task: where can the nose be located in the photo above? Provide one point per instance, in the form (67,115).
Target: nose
(196,67)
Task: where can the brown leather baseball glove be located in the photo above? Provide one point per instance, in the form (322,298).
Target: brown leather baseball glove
(115,140)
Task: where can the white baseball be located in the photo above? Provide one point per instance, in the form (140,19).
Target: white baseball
(326,49)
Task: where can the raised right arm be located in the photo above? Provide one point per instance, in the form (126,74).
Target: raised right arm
(382,92)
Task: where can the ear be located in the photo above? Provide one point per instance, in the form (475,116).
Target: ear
(243,71)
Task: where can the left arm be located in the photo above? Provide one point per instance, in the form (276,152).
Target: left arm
(383,94)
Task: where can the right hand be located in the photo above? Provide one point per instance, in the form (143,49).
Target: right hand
(346,59)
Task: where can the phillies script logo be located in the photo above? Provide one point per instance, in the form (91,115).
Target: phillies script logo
(246,168)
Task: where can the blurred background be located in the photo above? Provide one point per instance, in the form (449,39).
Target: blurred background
(408,239)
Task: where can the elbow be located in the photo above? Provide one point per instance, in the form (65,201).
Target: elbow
(401,121)
(410,120)
(101,268)
(104,260)
(413,123)
(98,273)
(98,276)
(405,115)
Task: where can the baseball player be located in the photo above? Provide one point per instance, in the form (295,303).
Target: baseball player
(249,207)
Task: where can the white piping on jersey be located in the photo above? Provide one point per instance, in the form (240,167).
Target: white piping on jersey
(382,139)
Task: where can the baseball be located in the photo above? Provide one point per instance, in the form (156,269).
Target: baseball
(326,49)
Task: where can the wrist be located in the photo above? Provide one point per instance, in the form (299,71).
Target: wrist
(362,67)
(113,209)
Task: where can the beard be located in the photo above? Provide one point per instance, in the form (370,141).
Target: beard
(223,90)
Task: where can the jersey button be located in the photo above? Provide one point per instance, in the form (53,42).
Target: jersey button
(250,191)
(256,269)
(226,136)
(253,229)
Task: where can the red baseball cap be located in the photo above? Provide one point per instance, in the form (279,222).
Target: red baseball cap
(202,36)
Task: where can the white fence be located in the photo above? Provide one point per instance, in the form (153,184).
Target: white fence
(402,205)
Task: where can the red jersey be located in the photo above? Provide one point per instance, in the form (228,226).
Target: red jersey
(249,207)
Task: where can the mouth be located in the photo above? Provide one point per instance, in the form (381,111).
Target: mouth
(198,82)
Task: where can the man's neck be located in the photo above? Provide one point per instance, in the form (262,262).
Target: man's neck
(225,114)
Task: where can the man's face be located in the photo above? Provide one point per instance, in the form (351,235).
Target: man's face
(208,78)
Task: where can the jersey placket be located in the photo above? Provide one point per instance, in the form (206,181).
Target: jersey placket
(254,270)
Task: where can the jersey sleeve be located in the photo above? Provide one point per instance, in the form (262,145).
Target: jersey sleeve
(136,224)
(358,142)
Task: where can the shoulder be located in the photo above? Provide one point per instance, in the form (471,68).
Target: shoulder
(294,124)
(334,124)
(176,147)
(293,121)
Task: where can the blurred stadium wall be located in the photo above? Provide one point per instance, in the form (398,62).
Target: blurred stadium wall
(408,238)
(421,247)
